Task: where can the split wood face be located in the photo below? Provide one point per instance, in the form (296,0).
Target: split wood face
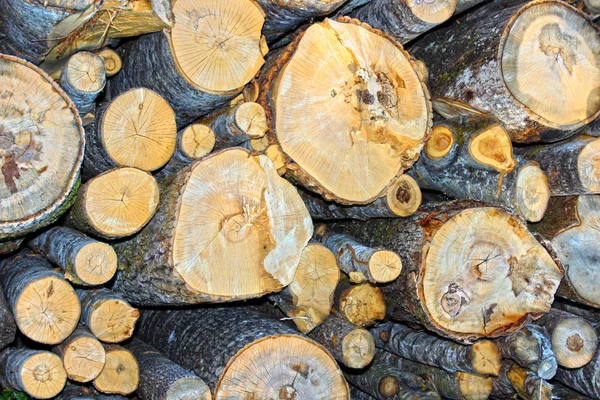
(43,375)
(41,143)
(483,271)
(579,248)
(350,110)
(550,58)
(216,43)
(282,367)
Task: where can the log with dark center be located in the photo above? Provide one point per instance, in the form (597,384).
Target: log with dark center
(362,304)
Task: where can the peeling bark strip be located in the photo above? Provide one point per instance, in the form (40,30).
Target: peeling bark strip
(572,167)
(456,386)
(385,381)
(481,358)
(8,329)
(574,340)
(39,296)
(516,382)
(121,374)
(530,347)
(194,70)
(308,299)
(40,374)
(82,355)
(25,25)
(84,261)
(352,346)
(467,271)
(245,243)
(572,224)
(162,379)
(336,109)
(241,352)
(404,20)
(83,78)
(402,199)
(107,314)
(41,148)
(542,85)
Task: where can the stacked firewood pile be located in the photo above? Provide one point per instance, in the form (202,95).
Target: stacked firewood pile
(308,199)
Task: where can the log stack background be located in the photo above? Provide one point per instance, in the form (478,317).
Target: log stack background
(309,199)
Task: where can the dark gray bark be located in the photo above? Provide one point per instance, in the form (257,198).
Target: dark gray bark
(328,210)
(76,392)
(585,379)
(8,328)
(11,368)
(83,100)
(514,382)
(564,393)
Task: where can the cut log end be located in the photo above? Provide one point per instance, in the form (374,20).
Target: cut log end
(492,147)
(549,58)
(83,358)
(404,196)
(112,61)
(362,304)
(43,375)
(385,266)
(433,12)
(503,274)
(388,386)
(473,386)
(95,263)
(358,348)
(574,342)
(41,140)
(197,141)
(85,72)
(290,367)
(221,60)
(113,320)
(139,130)
(51,303)
(120,202)
(533,192)
(189,388)
(121,373)
(440,142)
(251,118)
(333,107)
(588,166)
(487,359)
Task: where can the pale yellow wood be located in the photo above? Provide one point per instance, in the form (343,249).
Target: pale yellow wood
(574,342)
(277,367)
(85,72)
(486,358)
(492,147)
(188,389)
(43,375)
(276,155)
(260,144)
(440,142)
(83,359)
(217,44)
(533,192)
(588,166)
(95,263)
(385,266)
(120,202)
(363,304)
(139,130)
(121,373)
(113,320)
(473,386)
(404,196)
(550,58)
(432,11)
(485,270)
(350,110)
(48,310)
(358,348)
(197,141)
(112,61)
(250,118)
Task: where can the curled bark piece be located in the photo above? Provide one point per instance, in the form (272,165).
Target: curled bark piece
(354,347)
(84,261)
(162,379)
(77,392)
(402,199)
(246,243)
(483,357)
(112,61)
(107,315)
(572,226)
(351,158)
(115,204)
(225,344)
(467,271)
(516,382)
(42,148)
(136,129)
(473,162)
(8,329)
(121,373)
(363,263)
(361,304)
(530,347)
(574,340)
(82,355)
(25,25)
(512,73)
(194,67)
(384,381)
(585,379)
(39,297)
(40,374)
(572,167)
(83,78)
(404,20)
(308,299)
(457,386)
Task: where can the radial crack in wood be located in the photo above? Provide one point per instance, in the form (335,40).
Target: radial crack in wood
(82,355)
(121,373)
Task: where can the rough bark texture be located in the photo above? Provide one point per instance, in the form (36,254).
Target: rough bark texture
(76,392)
(161,378)
(530,347)
(590,314)
(96,160)
(84,100)
(8,328)
(564,393)
(463,5)
(515,382)
(429,349)
(584,380)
